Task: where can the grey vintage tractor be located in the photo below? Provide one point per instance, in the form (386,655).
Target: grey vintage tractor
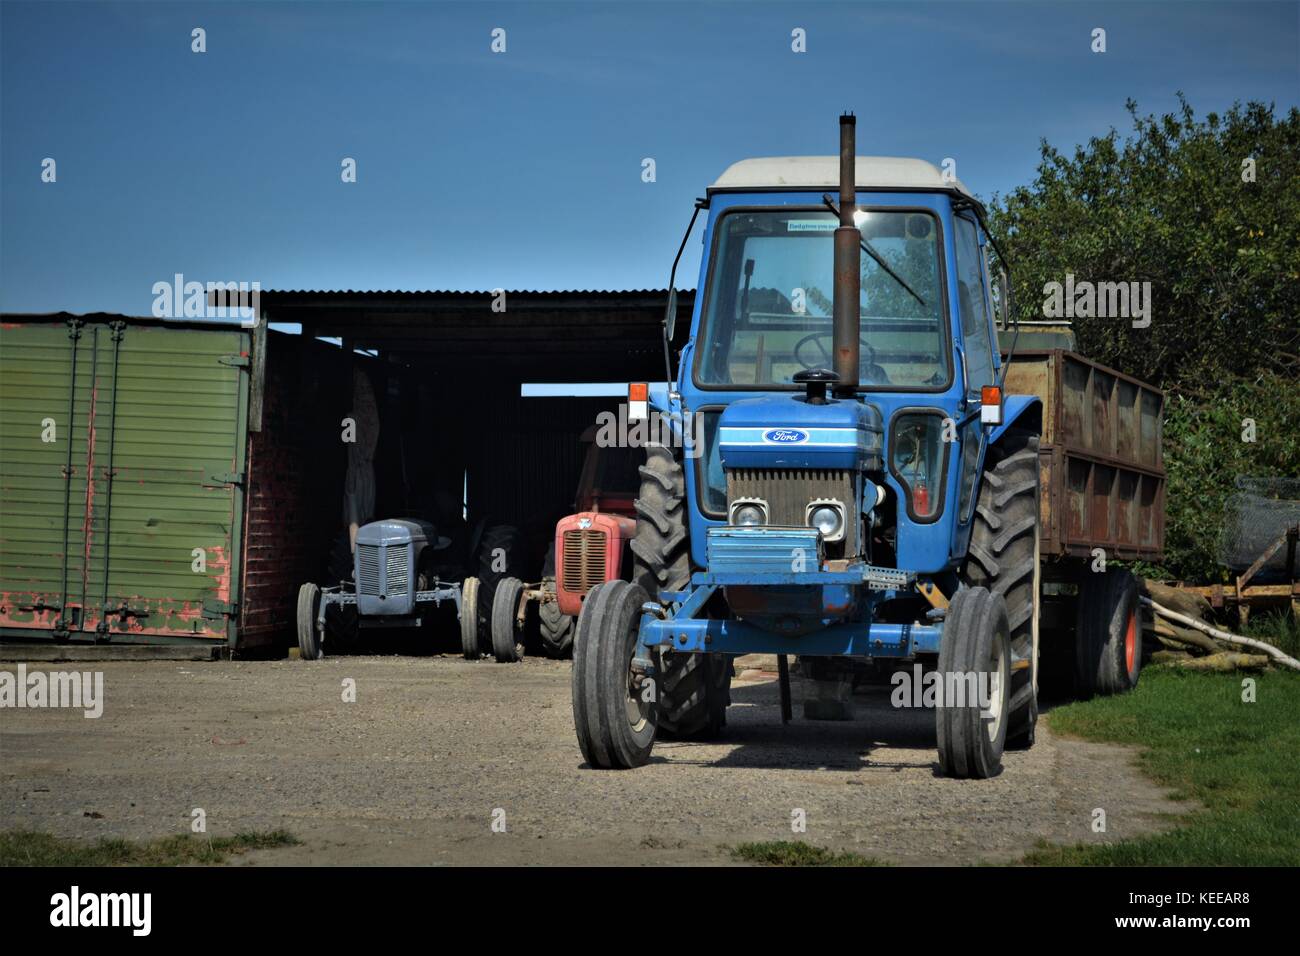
(401,571)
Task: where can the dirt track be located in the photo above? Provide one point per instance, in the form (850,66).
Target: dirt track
(412,772)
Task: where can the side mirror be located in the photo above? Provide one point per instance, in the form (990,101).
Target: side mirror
(1004,297)
(670,314)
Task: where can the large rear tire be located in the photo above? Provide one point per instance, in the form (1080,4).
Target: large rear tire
(976,641)
(500,556)
(556,630)
(507,635)
(1109,635)
(694,689)
(309,643)
(613,712)
(1004,558)
(469,641)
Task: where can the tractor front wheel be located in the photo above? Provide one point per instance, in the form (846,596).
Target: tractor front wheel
(309,643)
(614,708)
(507,635)
(974,656)
(469,619)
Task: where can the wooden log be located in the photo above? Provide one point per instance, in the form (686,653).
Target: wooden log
(1227,661)
(1184,601)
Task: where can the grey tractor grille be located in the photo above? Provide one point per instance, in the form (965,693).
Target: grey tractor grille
(787,492)
(367,569)
(397,576)
(584,560)
(371,557)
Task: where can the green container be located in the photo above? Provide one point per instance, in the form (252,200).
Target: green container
(122,462)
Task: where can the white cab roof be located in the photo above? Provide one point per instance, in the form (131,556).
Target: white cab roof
(823,172)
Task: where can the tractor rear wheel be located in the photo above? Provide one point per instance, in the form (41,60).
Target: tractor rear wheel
(976,642)
(613,710)
(1004,558)
(507,635)
(469,643)
(556,629)
(500,556)
(694,690)
(1108,639)
(309,644)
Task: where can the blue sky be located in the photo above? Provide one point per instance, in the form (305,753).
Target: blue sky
(523,169)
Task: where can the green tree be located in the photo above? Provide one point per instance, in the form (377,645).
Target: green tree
(1208,211)
(1172,205)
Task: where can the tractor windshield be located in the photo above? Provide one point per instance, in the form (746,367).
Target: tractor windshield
(768,312)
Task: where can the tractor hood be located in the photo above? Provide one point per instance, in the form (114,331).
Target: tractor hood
(788,431)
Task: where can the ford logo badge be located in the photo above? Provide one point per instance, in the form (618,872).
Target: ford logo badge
(785,436)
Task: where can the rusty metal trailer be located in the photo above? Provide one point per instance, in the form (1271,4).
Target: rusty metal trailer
(1102,482)
(1100,457)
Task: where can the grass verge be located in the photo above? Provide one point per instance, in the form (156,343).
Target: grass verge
(29,848)
(1204,742)
(794,853)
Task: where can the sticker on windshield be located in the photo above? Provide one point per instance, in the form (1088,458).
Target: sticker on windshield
(810,225)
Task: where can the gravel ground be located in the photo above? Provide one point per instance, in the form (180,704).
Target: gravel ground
(412,772)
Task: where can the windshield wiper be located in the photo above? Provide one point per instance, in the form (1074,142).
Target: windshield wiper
(866,247)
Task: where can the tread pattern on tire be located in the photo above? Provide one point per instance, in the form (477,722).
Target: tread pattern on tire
(556,629)
(1002,557)
(694,689)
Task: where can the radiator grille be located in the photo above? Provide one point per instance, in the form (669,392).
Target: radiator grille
(367,569)
(584,561)
(398,582)
(787,492)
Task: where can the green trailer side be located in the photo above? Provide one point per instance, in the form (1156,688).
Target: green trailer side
(122,461)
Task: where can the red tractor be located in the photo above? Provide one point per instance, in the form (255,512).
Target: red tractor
(589,548)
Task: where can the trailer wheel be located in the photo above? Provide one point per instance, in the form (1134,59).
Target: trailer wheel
(614,715)
(976,640)
(1004,558)
(1109,638)
(469,619)
(695,690)
(507,635)
(556,629)
(309,644)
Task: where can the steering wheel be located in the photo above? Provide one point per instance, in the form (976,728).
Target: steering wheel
(826,361)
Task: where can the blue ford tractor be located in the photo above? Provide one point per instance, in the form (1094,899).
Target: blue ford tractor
(843,478)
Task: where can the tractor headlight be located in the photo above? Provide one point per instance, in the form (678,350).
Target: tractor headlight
(748,513)
(828,518)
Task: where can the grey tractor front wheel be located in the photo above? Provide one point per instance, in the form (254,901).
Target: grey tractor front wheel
(974,661)
(614,709)
(469,619)
(507,635)
(309,643)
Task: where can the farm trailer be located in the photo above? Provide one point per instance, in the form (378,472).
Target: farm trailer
(876,488)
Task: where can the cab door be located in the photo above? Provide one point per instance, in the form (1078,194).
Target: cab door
(978,360)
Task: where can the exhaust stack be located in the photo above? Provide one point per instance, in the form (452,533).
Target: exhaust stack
(846,292)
